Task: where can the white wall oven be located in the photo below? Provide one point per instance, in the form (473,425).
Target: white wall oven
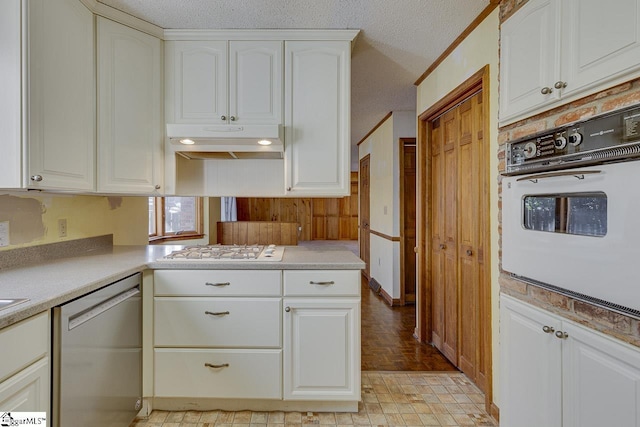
(571,210)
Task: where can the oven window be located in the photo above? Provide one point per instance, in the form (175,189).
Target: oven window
(583,214)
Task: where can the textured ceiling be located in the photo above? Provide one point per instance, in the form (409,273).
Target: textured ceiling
(399,39)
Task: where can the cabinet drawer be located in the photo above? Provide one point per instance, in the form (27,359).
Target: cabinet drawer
(322,282)
(250,374)
(218,282)
(24,343)
(217,322)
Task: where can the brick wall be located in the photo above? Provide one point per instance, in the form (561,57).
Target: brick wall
(606,321)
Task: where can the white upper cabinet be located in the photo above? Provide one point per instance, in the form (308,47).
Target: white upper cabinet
(528,58)
(60,100)
(600,41)
(221,82)
(255,82)
(556,51)
(317,118)
(129,110)
(10,84)
(196,81)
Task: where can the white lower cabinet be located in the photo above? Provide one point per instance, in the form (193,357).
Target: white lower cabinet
(24,371)
(555,372)
(229,334)
(321,349)
(321,335)
(218,373)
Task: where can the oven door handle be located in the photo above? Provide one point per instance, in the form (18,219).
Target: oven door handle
(576,174)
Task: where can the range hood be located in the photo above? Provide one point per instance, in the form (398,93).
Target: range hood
(226,141)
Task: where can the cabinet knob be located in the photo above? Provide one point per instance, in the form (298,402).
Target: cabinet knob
(562,335)
(443,246)
(287,309)
(157,187)
(36,178)
(223,118)
(469,252)
(548,329)
(232,118)
(560,85)
(288,188)
(546,90)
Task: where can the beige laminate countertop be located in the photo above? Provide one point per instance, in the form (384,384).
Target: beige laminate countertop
(51,283)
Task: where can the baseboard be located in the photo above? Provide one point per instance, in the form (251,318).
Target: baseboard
(388,299)
(495,412)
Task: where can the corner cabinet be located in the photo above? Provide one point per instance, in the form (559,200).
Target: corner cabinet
(130,155)
(60,95)
(220,82)
(555,372)
(317,118)
(550,53)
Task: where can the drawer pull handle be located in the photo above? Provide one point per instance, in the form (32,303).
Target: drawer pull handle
(322,283)
(218,284)
(210,365)
(217,313)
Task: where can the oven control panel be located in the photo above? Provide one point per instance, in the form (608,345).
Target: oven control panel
(611,137)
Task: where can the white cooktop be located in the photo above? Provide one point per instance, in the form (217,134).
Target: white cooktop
(217,253)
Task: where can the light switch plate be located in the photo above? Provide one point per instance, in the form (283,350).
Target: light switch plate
(4,233)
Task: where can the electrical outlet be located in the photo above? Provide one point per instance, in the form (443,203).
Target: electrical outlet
(62,227)
(4,233)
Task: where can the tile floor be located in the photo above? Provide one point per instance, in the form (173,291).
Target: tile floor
(388,398)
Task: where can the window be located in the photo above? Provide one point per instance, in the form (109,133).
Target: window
(175,218)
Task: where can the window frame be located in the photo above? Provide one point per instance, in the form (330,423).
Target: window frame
(161,235)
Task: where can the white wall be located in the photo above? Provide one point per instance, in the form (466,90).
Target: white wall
(475,52)
(384,198)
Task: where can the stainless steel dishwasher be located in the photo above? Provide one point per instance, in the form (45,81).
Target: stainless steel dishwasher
(97,352)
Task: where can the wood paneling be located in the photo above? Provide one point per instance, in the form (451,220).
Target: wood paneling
(319,219)
(261,233)
(407,220)
(365,238)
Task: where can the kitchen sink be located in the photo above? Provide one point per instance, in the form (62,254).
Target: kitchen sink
(6,303)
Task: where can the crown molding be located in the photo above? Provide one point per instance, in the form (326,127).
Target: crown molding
(263,34)
(101,9)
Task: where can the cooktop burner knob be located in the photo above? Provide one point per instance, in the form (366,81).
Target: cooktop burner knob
(530,150)
(575,138)
(560,142)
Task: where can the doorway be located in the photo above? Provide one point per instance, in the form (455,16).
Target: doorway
(453,229)
(364,214)
(407,163)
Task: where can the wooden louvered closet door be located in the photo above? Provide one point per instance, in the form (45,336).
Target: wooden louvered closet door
(457,221)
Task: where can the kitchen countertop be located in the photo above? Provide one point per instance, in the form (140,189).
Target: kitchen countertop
(50,283)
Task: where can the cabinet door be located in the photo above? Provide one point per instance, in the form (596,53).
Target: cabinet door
(530,367)
(10,84)
(317,118)
(28,390)
(600,41)
(61,102)
(255,82)
(322,349)
(601,380)
(129,109)
(196,82)
(529,58)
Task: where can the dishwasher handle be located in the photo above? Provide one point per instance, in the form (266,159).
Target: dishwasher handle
(96,310)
